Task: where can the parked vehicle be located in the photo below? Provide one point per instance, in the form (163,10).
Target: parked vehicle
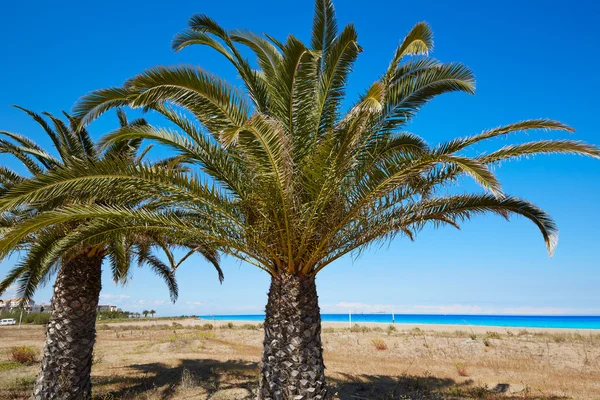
(8,321)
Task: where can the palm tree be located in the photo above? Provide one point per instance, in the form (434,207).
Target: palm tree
(287,181)
(145,312)
(67,357)
(152,312)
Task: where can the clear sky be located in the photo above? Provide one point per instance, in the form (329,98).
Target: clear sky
(532,59)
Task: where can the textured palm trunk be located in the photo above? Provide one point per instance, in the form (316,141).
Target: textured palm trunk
(293,356)
(71,332)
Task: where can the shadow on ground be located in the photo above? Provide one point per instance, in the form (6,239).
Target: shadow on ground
(236,379)
(162,380)
(367,387)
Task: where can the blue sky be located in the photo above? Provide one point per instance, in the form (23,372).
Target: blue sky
(532,59)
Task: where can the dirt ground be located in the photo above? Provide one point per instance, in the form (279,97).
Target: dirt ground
(162,360)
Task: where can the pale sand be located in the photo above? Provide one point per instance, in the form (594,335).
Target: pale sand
(478,329)
(157,359)
(424,327)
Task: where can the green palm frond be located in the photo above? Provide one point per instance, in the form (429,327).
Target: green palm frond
(93,105)
(541,124)
(278,173)
(214,102)
(541,147)
(324,26)
(419,41)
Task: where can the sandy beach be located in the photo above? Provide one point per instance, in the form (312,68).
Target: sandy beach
(425,327)
(194,359)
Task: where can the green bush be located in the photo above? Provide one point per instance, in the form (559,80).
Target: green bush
(108,315)
(29,319)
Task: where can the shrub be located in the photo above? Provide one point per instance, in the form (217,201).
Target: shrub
(559,338)
(230,325)
(492,335)
(391,329)
(327,330)
(208,327)
(23,354)
(523,332)
(379,344)
(473,336)
(206,335)
(487,342)
(461,369)
(177,325)
(249,327)
(358,328)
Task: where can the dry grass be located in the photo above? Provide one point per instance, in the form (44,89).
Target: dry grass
(160,361)
(23,355)
(379,344)
(461,369)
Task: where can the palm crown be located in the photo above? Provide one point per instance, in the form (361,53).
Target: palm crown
(289,182)
(47,248)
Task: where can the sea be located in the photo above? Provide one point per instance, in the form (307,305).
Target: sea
(512,321)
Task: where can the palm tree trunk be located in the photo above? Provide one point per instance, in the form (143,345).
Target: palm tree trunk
(293,357)
(71,332)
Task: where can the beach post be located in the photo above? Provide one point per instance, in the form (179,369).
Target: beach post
(393,323)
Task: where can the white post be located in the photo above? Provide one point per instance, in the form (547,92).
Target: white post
(350,318)
(393,320)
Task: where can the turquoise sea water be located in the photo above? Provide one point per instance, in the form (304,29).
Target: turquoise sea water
(516,321)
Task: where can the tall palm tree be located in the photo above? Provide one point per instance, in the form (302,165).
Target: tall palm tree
(145,312)
(70,336)
(152,312)
(288,181)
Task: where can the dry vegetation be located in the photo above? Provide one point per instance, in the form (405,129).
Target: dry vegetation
(176,361)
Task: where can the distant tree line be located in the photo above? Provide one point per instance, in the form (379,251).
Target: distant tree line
(28,318)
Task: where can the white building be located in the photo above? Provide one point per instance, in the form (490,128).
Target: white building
(10,305)
(106,307)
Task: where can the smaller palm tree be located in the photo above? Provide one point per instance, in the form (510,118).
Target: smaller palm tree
(152,312)
(145,312)
(58,247)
